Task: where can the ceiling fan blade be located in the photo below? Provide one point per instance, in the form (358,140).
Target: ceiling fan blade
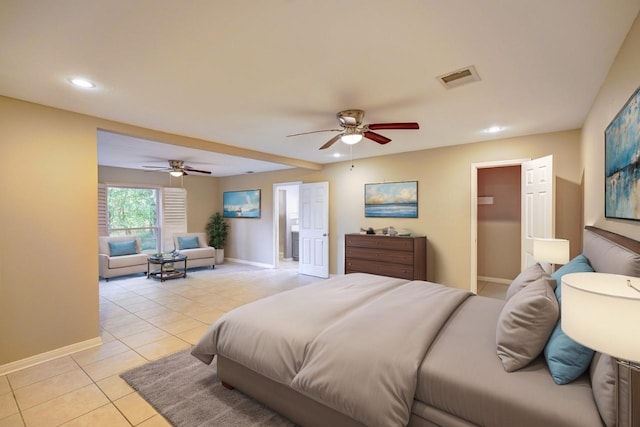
(190,169)
(331,141)
(411,125)
(315,131)
(376,137)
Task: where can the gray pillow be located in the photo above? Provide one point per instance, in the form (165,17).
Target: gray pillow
(603,384)
(530,274)
(525,324)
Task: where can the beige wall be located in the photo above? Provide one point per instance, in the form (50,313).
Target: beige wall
(621,82)
(202,191)
(48,262)
(444,183)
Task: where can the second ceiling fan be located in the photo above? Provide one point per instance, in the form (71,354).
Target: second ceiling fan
(178,168)
(352,130)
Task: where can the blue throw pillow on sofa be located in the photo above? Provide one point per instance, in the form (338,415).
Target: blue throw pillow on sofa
(567,359)
(188,242)
(127,247)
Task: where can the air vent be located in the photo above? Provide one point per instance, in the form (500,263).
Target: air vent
(459,77)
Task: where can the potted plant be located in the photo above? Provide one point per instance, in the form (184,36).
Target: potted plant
(217,229)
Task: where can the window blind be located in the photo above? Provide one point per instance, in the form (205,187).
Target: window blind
(103,220)
(174,215)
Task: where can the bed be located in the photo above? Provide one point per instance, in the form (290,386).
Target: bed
(366,350)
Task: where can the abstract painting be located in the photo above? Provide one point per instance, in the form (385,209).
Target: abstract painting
(391,200)
(241,204)
(622,162)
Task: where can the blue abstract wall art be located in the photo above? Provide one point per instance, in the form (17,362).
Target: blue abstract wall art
(622,162)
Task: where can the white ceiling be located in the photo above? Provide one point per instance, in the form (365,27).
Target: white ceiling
(248,73)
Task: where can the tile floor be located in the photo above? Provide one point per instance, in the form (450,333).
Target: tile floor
(492,290)
(141,320)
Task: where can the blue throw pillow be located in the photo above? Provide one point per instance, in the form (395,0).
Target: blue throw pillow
(566,359)
(188,242)
(579,264)
(127,247)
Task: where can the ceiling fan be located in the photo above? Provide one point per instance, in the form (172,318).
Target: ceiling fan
(352,130)
(178,168)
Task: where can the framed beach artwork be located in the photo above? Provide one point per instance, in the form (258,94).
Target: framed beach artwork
(391,200)
(241,204)
(622,162)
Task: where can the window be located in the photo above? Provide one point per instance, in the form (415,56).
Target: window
(134,212)
(153,214)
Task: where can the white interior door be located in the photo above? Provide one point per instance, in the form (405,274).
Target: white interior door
(538,204)
(314,229)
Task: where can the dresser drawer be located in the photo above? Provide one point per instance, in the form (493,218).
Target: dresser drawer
(382,268)
(374,254)
(380,242)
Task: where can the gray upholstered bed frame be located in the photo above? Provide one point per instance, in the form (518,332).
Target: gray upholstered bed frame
(607,252)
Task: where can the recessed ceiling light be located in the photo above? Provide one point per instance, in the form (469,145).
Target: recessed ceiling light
(82,83)
(493,129)
(337,155)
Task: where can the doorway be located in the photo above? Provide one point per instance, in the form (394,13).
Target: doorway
(499,228)
(537,207)
(286,226)
(496,224)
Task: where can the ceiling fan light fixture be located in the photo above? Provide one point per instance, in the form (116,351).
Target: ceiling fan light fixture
(176,173)
(351,138)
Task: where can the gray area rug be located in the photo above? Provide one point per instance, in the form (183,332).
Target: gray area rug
(188,393)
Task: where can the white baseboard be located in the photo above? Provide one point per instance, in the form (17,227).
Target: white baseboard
(495,280)
(255,264)
(49,355)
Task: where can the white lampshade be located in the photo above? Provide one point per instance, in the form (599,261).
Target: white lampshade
(553,251)
(602,312)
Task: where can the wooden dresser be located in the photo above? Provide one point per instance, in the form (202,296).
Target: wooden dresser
(402,257)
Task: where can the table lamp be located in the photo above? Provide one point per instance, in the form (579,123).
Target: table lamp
(551,251)
(602,312)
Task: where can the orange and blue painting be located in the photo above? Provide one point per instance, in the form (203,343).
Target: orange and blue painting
(622,162)
(391,200)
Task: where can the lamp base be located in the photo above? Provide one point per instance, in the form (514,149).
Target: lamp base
(628,388)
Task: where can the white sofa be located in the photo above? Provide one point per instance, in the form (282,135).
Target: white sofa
(202,256)
(120,265)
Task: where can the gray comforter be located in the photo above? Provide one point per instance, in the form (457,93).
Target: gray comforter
(354,343)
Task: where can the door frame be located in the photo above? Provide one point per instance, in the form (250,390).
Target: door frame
(473,285)
(276,225)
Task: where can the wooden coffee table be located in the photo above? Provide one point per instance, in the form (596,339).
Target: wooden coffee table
(166,268)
